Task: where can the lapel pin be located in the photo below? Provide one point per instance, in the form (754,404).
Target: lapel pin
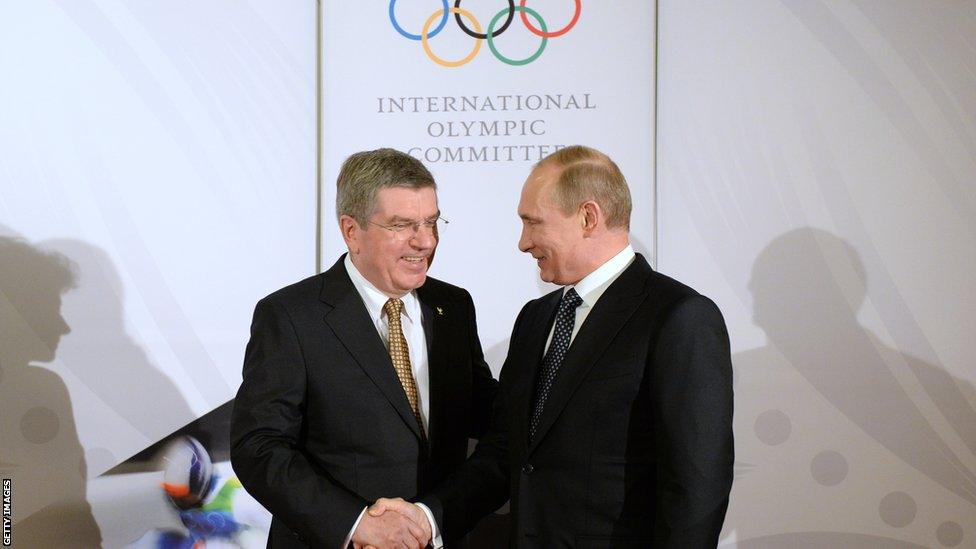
(440,312)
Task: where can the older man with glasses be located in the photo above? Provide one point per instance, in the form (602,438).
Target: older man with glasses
(366,380)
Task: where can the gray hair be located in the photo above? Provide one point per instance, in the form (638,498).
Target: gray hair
(364,173)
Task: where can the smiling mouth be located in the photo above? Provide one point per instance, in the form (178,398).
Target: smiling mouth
(414,259)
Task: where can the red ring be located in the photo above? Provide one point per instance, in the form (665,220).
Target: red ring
(560,32)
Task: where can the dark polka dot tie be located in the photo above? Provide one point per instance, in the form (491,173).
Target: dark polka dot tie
(561,335)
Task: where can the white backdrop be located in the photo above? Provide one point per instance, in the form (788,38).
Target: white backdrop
(817,162)
(479,127)
(816,173)
(158,164)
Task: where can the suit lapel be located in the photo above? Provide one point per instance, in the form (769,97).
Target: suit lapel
(428,322)
(352,325)
(608,316)
(436,326)
(539,326)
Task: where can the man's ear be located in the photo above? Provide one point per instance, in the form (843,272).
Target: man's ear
(591,217)
(350,230)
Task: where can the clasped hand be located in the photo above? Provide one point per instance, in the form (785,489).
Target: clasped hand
(392,523)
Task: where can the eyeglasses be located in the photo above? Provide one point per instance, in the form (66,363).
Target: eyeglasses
(405,230)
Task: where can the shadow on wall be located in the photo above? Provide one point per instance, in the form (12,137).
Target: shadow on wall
(40,450)
(102,355)
(64,299)
(808,286)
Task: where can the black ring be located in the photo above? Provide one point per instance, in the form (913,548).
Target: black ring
(481,36)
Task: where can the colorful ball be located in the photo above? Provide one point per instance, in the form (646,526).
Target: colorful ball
(187,472)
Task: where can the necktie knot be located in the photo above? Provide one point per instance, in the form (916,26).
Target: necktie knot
(393,307)
(571,300)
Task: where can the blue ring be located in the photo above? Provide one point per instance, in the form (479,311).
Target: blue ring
(416,37)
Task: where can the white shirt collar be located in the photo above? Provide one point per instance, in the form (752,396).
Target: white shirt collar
(594,284)
(375,299)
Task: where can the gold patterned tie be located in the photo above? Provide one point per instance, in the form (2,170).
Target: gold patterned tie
(400,354)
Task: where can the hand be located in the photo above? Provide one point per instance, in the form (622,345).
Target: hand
(407,509)
(390,530)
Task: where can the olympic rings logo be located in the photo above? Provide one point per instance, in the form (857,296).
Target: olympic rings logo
(441,16)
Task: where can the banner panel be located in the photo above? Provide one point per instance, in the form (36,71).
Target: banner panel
(479,95)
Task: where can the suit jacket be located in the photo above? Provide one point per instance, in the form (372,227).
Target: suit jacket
(321,425)
(634,446)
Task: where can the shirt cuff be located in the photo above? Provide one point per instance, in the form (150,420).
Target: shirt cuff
(345,544)
(435,536)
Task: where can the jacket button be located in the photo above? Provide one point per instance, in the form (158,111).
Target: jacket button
(528,468)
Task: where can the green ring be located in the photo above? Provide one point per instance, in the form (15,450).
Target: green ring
(517,62)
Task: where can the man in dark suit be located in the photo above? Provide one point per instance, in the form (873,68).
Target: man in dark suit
(613,423)
(363,381)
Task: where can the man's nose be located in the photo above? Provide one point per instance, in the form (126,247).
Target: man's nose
(62,326)
(524,243)
(424,238)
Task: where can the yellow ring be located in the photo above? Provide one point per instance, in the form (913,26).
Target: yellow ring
(430,53)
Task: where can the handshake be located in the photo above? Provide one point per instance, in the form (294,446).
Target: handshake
(393,523)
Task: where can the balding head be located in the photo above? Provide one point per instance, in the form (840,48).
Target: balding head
(588,174)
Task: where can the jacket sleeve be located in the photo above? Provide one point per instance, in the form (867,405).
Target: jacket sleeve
(484,387)
(266,436)
(691,398)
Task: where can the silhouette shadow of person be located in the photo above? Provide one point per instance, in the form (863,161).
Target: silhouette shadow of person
(101,353)
(40,452)
(808,286)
